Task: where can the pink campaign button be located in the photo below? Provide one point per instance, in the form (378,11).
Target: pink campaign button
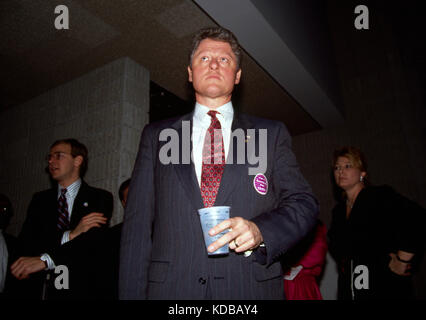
(260,183)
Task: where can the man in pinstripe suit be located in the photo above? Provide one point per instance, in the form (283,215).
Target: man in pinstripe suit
(163,255)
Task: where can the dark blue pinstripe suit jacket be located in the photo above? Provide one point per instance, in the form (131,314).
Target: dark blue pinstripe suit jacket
(163,255)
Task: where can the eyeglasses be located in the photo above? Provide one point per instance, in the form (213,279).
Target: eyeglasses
(56,156)
(344,167)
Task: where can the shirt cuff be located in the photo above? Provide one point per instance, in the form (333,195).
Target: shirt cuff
(249,252)
(293,272)
(65,237)
(50,264)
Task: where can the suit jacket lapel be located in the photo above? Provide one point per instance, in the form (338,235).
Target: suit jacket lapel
(77,212)
(52,202)
(186,171)
(232,175)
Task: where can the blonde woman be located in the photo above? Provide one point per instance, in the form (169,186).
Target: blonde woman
(374,235)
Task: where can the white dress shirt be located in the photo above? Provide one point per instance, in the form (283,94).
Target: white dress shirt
(201,122)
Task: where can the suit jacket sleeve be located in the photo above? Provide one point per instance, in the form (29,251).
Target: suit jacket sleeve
(136,243)
(297,209)
(409,220)
(31,224)
(88,241)
(106,205)
(83,248)
(88,200)
(37,236)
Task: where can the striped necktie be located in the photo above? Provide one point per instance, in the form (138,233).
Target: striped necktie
(63,220)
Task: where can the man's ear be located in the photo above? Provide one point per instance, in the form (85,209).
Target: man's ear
(78,160)
(189,74)
(238,76)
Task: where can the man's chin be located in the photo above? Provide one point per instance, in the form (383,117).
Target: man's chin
(214,92)
(54,176)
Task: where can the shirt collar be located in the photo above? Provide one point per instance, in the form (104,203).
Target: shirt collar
(72,189)
(225,113)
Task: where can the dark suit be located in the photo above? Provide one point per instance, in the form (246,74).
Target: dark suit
(381,221)
(92,259)
(40,234)
(163,255)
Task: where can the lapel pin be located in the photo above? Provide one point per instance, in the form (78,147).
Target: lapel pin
(85,204)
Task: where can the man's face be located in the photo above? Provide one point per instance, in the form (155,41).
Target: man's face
(214,71)
(62,166)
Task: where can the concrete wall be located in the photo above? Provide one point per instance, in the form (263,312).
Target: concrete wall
(105,109)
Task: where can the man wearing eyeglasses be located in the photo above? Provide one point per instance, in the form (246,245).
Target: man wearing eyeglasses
(58,215)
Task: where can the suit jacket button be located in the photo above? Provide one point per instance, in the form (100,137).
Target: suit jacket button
(202,281)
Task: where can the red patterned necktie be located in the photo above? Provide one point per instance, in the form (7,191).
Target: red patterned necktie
(63,222)
(213,161)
